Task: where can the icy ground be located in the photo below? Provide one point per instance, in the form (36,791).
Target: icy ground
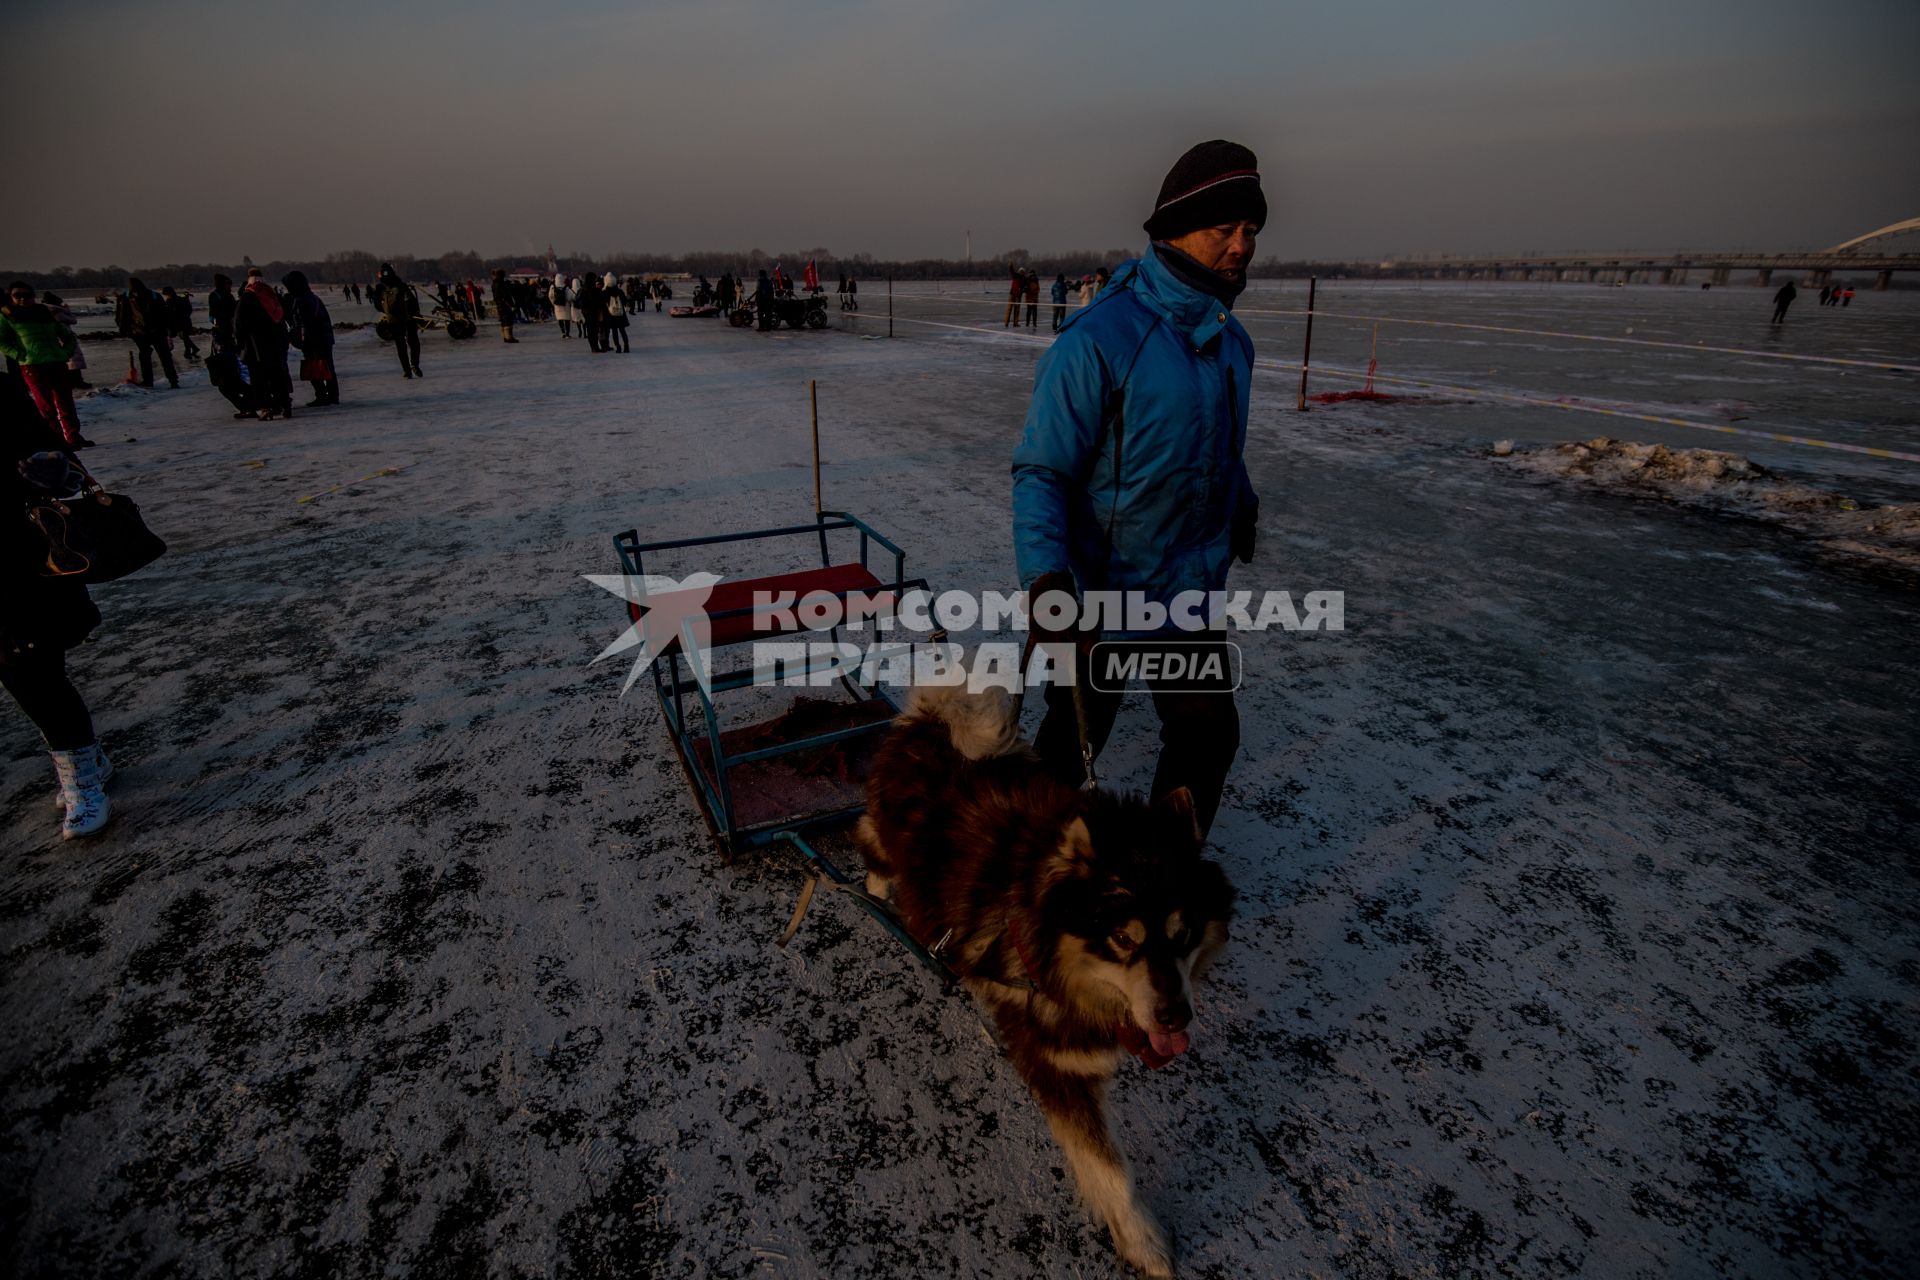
(1578,930)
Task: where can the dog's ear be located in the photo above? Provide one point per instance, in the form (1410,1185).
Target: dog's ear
(1076,845)
(1179,803)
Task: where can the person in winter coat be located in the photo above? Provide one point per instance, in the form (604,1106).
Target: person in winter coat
(1157,361)
(1058,292)
(1782,300)
(853,294)
(1016,286)
(260,340)
(220,305)
(725,292)
(616,321)
(223,362)
(310,330)
(1031,290)
(503,304)
(1086,290)
(399,306)
(141,315)
(591,303)
(763,302)
(32,337)
(562,308)
(180,320)
(77,362)
(43,618)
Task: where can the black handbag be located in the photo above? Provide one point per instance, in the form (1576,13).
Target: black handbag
(93,536)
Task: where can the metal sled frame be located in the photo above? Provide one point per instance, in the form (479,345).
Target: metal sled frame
(694,737)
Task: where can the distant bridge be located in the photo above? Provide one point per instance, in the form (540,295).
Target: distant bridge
(1672,268)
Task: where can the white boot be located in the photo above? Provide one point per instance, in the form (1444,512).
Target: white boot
(106,774)
(82,790)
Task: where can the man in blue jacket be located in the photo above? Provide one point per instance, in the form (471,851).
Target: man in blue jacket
(1129,476)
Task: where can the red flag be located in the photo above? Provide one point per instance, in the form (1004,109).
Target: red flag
(811,277)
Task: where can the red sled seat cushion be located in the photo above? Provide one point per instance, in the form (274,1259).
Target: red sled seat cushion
(739,593)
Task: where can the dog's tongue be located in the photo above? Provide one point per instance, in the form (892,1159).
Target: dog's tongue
(1168,1045)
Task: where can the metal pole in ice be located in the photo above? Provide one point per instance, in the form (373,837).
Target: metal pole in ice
(813,396)
(1306,355)
(889,304)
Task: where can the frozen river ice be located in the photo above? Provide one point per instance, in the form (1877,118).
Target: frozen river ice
(1577,876)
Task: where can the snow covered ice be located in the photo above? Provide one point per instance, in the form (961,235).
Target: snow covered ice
(1576,931)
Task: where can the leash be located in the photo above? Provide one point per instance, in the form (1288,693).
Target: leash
(1080,723)
(1079,707)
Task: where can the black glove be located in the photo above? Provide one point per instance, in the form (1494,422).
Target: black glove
(1058,580)
(1246,528)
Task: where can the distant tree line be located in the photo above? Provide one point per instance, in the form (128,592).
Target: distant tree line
(360,267)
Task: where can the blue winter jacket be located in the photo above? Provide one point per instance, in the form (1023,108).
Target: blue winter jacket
(1145,502)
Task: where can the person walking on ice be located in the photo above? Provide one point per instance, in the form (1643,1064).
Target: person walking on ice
(399,306)
(1158,362)
(1782,300)
(503,304)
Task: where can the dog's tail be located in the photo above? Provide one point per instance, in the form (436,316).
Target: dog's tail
(982,725)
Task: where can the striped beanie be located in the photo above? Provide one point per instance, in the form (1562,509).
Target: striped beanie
(1214,183)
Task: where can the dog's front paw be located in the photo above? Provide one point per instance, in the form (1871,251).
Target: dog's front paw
(1144,1246)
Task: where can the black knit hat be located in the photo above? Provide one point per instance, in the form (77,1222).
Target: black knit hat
(1214,183)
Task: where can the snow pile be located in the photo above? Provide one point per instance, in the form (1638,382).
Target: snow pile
(1729,482)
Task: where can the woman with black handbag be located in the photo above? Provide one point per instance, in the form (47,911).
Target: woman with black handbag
(42,618)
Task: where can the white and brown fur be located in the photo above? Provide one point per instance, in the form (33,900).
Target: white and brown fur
(1105,896)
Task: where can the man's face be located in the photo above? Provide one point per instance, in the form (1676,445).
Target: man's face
(1224,250)
(21,297)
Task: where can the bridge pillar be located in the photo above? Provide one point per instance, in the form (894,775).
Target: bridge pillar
(1719,276)
(1883,281)
(1666,275)
(1766,276)
(1818,278)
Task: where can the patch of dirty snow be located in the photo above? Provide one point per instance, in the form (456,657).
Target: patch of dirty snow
(1720,481)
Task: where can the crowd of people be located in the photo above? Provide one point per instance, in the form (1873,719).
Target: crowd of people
(1023,286)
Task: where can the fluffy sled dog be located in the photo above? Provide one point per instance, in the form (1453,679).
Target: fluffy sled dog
(1079,918)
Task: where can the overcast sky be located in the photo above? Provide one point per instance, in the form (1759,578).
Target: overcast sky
(143,133)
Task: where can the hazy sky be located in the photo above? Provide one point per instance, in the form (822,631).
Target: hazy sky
(147,132)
